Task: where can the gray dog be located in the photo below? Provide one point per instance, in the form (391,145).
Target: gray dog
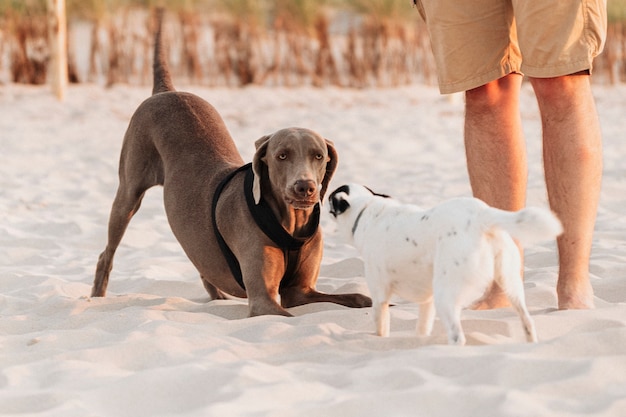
(251,230)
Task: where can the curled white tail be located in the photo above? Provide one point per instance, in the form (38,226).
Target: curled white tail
(529,225)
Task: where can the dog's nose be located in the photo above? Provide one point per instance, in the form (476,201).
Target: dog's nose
(305,188)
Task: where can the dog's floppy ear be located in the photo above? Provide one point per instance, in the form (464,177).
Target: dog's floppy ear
(259,167)
(331,166)
(338,202)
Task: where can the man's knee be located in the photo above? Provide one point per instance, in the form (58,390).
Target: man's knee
(497,93)
(556,88)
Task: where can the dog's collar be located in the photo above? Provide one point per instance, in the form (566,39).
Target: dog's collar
(358,219)
(266,220)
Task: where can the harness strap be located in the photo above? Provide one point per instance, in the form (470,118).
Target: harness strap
(358,219)
(267,222)
(233,264)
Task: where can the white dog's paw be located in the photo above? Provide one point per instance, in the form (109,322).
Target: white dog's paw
(456,338)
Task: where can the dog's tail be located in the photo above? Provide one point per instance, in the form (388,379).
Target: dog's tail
(162,79)
(527,226)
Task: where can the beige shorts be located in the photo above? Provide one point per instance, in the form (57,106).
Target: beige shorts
(478,41)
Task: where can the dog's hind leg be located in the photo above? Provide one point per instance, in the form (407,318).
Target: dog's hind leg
(527,321)
(214,293)
(450,315)
(136,176)
(514,289)
(125,205)
(507,275)
(448,295)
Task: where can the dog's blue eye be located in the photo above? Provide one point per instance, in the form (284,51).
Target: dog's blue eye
(282,156)
(319,156)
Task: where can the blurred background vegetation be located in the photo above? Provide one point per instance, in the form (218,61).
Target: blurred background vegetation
(349,43)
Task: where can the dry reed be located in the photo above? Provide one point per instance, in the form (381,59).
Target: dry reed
(292,43)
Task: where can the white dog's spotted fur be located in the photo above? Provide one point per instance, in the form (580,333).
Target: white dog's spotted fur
(444,258)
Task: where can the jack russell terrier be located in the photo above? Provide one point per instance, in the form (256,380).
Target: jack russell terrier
(444,258)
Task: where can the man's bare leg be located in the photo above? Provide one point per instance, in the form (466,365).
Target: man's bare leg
(572,143)
(496,153)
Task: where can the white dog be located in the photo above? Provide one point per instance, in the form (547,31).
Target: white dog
(444,258)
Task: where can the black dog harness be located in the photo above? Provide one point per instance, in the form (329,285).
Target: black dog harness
(267,222)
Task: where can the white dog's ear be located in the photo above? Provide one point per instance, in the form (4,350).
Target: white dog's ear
(338,201)
(331,166)
(259,166)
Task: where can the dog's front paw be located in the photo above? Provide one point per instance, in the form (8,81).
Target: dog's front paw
(360,301)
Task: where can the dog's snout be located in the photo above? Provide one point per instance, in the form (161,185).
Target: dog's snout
(305,188)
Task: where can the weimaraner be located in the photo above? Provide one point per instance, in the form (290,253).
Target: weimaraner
(251,230)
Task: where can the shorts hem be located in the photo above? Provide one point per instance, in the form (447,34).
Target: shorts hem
(469,84)
(558,70)
(526,70)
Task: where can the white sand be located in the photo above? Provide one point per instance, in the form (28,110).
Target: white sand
(156,345)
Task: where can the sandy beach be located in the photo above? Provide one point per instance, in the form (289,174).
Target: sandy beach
(157,346)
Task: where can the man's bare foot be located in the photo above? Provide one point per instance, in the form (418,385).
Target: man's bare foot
(573,295)
(493,298)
